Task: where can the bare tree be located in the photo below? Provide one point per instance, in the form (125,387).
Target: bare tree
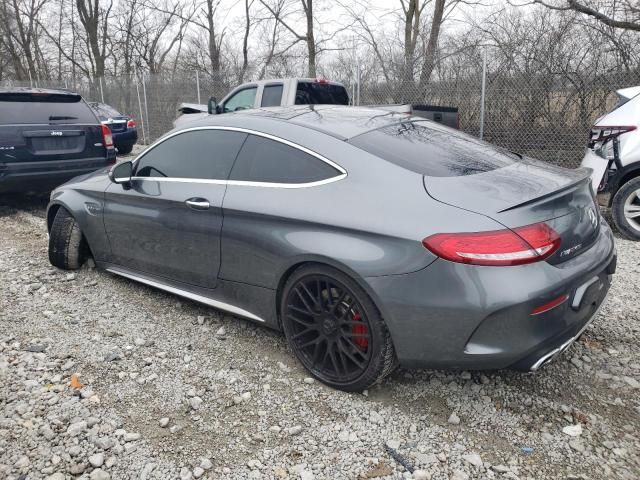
(412,11)
(429,61)
(205,17)
(158,34)
(623,14)
(214,39)
(413,53)
(94,17)
(19,36)
(269,34)
(61,42)
(282,15)
(245,40)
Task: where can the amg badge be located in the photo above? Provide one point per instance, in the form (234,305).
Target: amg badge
(571,250)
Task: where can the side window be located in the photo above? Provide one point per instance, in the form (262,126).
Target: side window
(265,160)
(203,154)
(316,93)
(271,95)
(242,100)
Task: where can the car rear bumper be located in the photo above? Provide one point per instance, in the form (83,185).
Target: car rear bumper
(48,174)
(452,315)
(545,355)
(128,137)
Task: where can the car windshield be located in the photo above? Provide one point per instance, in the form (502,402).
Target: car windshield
(316,93)
(433,150)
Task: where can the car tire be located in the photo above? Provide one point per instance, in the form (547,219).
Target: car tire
(126,150)
(67,246)
(626,202)
(335,329)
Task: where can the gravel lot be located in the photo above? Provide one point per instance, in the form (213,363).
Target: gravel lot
(173,389)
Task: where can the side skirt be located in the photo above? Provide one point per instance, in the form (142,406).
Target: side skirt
(202,296)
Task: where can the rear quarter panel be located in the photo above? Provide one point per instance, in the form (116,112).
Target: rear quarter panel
(370,223)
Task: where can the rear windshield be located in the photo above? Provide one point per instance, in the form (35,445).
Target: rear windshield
(433,150)
(316,93)
(105,111)
(44,109)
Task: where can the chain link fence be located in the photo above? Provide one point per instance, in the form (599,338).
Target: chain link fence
(546,117)
(543,116)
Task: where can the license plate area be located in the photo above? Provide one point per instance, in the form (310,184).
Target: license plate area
(117,126)
(56,145)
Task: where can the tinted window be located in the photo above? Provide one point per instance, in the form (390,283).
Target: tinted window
(316,93)
(207,154)
(265,160)
(242,100)
(433,150)
(44,109)
(105,111)
(271,96)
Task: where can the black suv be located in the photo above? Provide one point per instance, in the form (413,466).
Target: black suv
(48,137)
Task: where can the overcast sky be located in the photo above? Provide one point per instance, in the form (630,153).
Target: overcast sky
(331,15)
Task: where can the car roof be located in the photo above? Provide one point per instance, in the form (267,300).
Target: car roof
(43,91)
(340,121)
(269,81)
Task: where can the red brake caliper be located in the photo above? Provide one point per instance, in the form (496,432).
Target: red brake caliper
(361,341)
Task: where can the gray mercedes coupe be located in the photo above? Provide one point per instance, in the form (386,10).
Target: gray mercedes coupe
(370,238)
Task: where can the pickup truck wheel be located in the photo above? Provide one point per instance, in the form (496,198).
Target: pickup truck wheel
(67,246)
(625,209)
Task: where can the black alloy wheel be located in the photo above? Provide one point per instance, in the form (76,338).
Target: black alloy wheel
(335,330)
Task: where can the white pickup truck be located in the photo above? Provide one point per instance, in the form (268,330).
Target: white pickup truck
(269,93)
(301,91)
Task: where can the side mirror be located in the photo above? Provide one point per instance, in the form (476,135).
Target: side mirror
(212,106)
(121,172)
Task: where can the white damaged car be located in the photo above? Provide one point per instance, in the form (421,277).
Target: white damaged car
(614,156)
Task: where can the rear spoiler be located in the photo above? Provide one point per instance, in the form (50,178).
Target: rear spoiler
(445,115)
(582,175)
(55,97)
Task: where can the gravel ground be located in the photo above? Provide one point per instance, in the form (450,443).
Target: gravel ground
(104,378)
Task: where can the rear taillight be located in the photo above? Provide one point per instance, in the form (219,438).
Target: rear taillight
(131,124)
(528,244)
(107,137)
(602,139)
(601,134)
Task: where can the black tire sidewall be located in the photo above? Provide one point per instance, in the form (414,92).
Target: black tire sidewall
(125,150)
(67,247)
(379,335)
(617,209)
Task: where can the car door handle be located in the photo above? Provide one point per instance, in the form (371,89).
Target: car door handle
(198,203)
